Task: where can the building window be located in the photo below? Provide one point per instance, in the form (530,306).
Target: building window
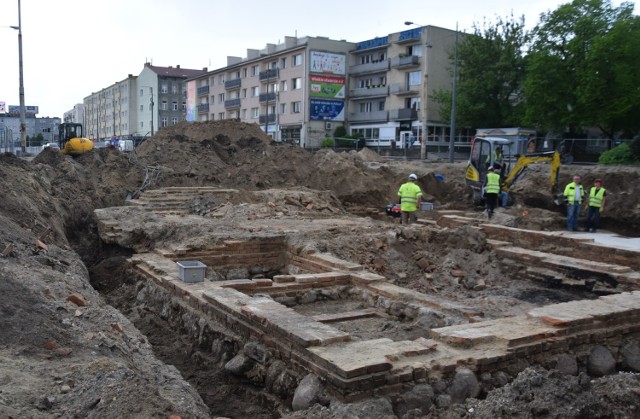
(164,105)
(255,112)
(213,100)
(414,78)
(297,60)
(220,97)
(164,121)
(220,115)
(244,114)
(255,91)
(141,124)
(296,83)
(255,70)
(174,88)
(184,106)
(244,93)
(141,107)
(244,73)
(174,120)
(174,106)
(283,85)
(164,88)
(381,105)
(283,108)
(365,107)
(295,107)
(283,62)
(141,92)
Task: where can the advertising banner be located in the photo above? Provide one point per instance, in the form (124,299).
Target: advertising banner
(192,114)
(328,63)
(327,110)
(327,87)
(29,110)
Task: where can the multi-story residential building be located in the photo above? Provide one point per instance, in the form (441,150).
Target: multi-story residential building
(45,126)
(75,115)
(108,112)
(162,96)
(391,81)
(138,105)
(295,90)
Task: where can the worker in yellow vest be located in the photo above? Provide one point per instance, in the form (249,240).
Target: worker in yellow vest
(491,190)
(596,206)
(410,195)
(573,194)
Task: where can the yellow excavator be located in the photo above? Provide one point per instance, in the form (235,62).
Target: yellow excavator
(501,154)
(71,141)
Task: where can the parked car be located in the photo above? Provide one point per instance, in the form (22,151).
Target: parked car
(52,146)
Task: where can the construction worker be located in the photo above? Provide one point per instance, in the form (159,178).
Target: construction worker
(573,194)
(498,159)
(410,195)
(596,206)
(491,190)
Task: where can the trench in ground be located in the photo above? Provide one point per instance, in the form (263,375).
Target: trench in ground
(228,395)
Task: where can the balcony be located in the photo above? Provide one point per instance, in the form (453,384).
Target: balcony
(380,66)
(232,103)
(269,74)
(405,62)
(369,92)
(271,117)
(203,90)
(378,116)
(404,114)
(203,108)
(400,90)
(267,97)
(233,84)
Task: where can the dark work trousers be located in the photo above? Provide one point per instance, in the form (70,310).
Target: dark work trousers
(593,219)
(491,199)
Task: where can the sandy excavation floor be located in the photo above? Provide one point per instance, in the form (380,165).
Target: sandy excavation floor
(77,343)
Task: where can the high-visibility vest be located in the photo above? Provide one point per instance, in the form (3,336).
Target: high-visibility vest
(409,193)
(596,196)
(493,183)
(570,193)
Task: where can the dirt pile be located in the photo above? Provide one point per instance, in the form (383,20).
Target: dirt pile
(68,355)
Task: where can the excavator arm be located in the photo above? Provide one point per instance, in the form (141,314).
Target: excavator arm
(525,160)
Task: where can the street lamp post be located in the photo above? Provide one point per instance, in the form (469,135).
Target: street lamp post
(425,94)
(23,123)
(452,128)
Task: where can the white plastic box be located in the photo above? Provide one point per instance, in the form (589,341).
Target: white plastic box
(191,270)
(426,206)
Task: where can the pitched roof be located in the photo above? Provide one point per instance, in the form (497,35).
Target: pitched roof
(175,71)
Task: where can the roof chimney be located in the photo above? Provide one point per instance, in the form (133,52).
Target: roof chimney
(178,66)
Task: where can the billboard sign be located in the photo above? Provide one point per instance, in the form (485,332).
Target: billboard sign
(327,110)
(29,110)
(328,63)
(327,87)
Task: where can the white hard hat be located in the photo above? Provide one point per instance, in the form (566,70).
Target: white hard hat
(413,176)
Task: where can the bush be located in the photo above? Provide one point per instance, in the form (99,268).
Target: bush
(621,154)
(340,131)
(327,142)
(635,147)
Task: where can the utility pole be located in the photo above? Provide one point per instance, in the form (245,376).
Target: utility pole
(23,116)
(452,128)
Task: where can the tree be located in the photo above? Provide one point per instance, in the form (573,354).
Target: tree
(491,73)
(574,59)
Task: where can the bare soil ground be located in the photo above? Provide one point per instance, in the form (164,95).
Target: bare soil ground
(65,351)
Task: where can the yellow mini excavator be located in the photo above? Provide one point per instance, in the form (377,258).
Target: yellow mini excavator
(500,154)
(71,141)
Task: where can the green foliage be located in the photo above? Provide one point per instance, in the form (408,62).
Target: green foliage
(621,154)
(327,142)
(491,72)
(582,68)
(340,131)
(635,147)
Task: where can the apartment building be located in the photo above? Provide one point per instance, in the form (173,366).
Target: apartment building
(75,115)
(391,80)
(294,90)
(138,105)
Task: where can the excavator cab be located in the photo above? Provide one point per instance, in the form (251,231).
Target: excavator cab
(487,152)
(67,131)
(71,140)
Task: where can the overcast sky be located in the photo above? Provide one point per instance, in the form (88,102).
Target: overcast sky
(72,48)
